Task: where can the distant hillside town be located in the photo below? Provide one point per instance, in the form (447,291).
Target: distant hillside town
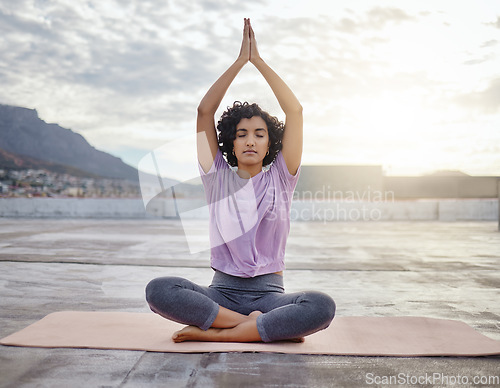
(42,183)
(38,159)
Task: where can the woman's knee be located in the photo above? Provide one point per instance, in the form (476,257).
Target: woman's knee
(324,306)
(159,288)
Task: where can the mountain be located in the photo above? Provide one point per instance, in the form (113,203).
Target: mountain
(24,134)
(10,161)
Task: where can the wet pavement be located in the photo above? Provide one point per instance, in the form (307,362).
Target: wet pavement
(435,269)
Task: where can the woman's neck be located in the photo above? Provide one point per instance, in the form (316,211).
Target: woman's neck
(247,172)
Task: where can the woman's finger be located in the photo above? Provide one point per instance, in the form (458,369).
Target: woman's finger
(245,44)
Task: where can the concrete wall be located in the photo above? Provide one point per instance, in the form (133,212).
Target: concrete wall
(72,207)
(442,187)
(441,210)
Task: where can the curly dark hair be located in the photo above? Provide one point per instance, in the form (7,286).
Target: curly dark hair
(227,130)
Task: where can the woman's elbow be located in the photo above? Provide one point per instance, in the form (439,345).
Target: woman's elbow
(202,110)
(298,109)
(295,110)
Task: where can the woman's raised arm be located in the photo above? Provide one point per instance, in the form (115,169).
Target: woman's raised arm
(292,138)
(207,143)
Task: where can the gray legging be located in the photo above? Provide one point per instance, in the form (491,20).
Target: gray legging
(285,316)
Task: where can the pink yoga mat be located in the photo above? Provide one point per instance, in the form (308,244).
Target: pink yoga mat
(358,336)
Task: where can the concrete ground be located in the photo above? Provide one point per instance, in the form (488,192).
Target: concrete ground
(433,269)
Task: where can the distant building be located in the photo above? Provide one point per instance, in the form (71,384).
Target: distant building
(4,188)
(339,182)
(73,192)
(367,183)
(440,186)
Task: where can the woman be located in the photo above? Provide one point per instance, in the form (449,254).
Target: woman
(249,222)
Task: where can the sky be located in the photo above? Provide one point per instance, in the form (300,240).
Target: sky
(413,86)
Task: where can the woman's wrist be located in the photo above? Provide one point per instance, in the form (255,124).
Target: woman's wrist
(257,61)
(241,61)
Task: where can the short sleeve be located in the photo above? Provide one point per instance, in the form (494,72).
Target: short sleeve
(218,165)
(285,176)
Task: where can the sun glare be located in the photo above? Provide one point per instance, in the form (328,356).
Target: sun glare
(392,117)
(398,131)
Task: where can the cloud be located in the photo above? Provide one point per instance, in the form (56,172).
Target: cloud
(128,55)
(495,23)
(378,17)
(131,50)
(486,100)
(11,22)
(347,25)
(106,65)
(485,57)
(489,43)
(374,19)
(325,67)
(477,61)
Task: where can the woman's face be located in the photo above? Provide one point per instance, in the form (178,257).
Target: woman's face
(252,141)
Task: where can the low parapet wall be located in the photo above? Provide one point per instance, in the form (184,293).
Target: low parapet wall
(325,211)
(439,210)
(72,208)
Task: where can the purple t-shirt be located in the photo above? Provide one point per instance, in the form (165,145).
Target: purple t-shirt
(249,218)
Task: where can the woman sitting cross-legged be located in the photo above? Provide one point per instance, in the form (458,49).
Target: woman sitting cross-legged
(249,222)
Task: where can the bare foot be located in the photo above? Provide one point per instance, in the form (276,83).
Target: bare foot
(181,335)
(194,333)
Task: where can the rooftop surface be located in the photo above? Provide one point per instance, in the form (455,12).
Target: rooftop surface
(431,269)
